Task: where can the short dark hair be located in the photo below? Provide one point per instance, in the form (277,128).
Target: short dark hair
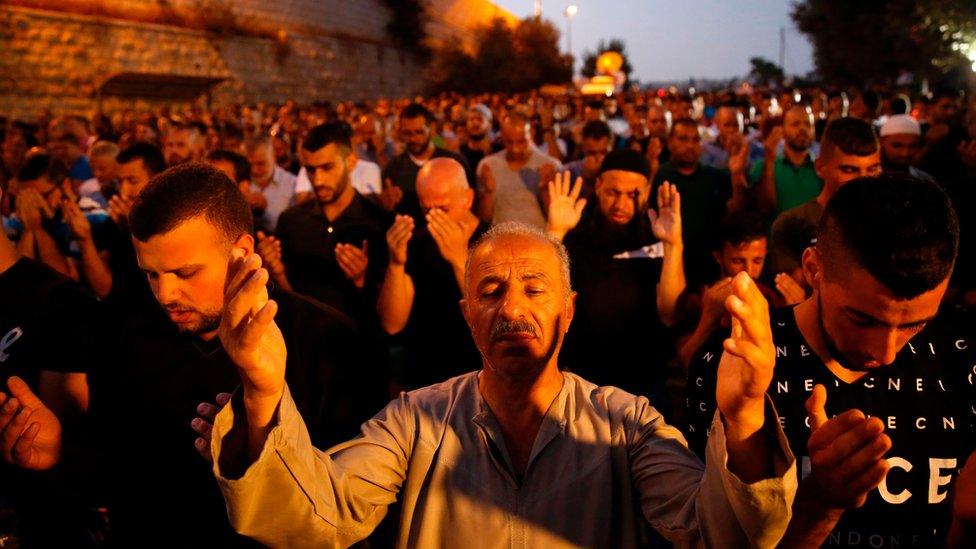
(687,122)
(741,227)
(242,168)
(187,191)
(416,110)
(152,158)
(42,164)
(851,135)
(326,134)
(901,229)
(596,129)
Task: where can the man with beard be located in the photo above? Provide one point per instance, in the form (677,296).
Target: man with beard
(786,180)
(707,195)
(859,351)
(183,143)
(848,150)
(628,268)
(511,181)
(187,226)
(425,275)
(332,248)
(478,142)
(400,175)
(516,454)
(900,138)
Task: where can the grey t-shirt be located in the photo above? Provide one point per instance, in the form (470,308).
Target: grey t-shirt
(794,231)
(516,195)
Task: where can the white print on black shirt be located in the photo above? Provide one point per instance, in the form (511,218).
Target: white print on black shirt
(8,340)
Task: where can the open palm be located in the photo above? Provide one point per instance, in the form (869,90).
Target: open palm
(666,220)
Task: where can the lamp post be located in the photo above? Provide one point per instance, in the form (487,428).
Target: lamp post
(569,13)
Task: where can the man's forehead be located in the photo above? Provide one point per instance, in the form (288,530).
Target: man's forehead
(514,253)
(623,180)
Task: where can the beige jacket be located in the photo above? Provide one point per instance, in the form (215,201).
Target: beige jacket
(604,465)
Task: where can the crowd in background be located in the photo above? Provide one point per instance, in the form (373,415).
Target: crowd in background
(368,209)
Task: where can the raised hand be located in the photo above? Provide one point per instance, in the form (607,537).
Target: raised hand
(269,248)
(846,454)
(450,236)
(397,238)
(746,367)
(76,220)
(771,143)
(565,205)
(738,154)
(31,209)
(30,433)
(203,424)
(119,208)
(390,196)
(251,338)
(353,262)
(792,292)
(666,221)
(713,302)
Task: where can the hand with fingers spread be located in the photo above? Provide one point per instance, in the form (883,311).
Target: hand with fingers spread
(397,238)
(353,262)
(450,236)
(565,205)
(666,221)
(77,221)
(391,195)
(792,292)
(203,424)
(846,454)
(30,433)
(746,367)
(253,342)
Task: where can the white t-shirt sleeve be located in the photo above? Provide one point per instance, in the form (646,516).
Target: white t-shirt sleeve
(302,183)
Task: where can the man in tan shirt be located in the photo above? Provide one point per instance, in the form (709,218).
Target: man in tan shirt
(518,454)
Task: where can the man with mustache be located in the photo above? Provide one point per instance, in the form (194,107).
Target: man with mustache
(518,453)
(859,351)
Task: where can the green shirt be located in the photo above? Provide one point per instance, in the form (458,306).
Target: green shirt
(795,185)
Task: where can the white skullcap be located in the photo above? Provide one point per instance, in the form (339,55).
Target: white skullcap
(900,124)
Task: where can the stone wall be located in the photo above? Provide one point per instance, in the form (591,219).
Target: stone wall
(56,54)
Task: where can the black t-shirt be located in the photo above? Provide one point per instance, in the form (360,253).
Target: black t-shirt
(160,490)
(308,241)
(616,337)
(437,338)
(402,171)
(924,399)
(703,206)
(47,322)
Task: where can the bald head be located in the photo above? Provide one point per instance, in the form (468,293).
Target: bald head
(441,175)
(443,185)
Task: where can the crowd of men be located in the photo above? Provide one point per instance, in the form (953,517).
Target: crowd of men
(581,253)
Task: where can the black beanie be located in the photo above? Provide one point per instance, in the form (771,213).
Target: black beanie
(626,160)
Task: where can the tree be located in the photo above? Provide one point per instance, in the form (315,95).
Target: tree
(874,40)
(504,59)
(614,44)
(765,72)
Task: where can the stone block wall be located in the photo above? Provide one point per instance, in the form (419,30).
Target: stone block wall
(56,54)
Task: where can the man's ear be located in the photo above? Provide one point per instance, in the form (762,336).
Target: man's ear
(245,242)
(812,265)
(351,160)
(469,198)
(570,311)
(465,312)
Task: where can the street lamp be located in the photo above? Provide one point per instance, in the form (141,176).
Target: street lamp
(569,13)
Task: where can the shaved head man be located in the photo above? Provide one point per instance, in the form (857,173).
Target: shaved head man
(420,292)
